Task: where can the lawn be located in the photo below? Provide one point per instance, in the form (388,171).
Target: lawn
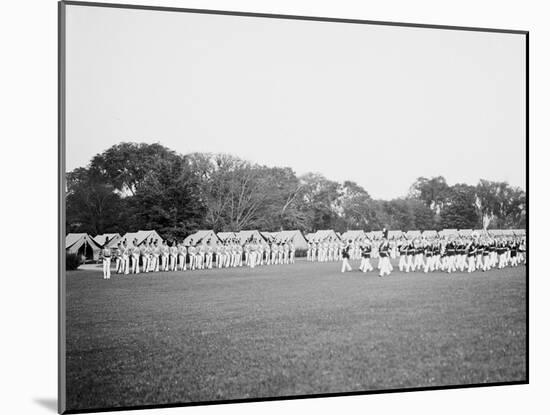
(287,330)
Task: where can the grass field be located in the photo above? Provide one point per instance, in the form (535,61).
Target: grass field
(287,330)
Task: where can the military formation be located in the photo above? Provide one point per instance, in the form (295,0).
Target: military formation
(155,256)
(417,254)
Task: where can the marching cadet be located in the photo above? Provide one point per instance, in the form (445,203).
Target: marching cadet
(143,252)
(384,254)
(486,254)
(173,251)
(471,250)
(309,250)
(292,251)
(192,258)
(365,257)
(164,255)
(418,254)
(479,255)
(345,258)
(274,253)
(135,257)
(410,256)
(314,250)
(209,254)
(125,258)
(267,254)
(402,254)
(280,253)
(286,252)
(106,259)
(252,260)
(220,254)
(118,263)
(428,253)
(155,258)
(182,257)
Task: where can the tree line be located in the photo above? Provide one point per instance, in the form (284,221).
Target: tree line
(133,186)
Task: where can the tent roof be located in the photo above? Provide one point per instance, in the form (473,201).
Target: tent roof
(413,234)
(226,235)
(465,232)
(445,232)
(429,233)
(395,234)
(202,237)
(244,236)
(326,233)
(296,236)
(142,236)
(519,232)
(376,234)
(113,238)
(354,234)
(73,241)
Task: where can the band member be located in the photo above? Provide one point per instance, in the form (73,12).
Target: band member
(173,252)
(191,250)
(345,258)
(471,251)
(366,249)
(106,259)
(402,255)
(267,254)
(384,253)
(314,250)
(429,258)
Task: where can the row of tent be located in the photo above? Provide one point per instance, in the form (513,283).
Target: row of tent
(84,245)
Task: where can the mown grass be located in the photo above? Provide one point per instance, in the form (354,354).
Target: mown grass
(287,330)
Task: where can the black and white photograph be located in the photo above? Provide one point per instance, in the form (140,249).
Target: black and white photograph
(259,207)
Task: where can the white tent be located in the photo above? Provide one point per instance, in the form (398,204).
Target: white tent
(245,236)
(448,232)
(429,234)
(296,237)
(202,237)
(113,239)
(141,237)
(375,235)
(325,234)
(82,244)
(223,236)
(310,235)
(395,234)
(413,234)
(353,235)
(465,232)
(519,232)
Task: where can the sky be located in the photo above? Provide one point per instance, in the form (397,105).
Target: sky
(378,105)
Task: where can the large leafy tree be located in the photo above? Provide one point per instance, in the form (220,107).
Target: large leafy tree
(92,206)
(460,211)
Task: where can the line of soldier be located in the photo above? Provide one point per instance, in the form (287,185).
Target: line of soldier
(152,256)
(464,254)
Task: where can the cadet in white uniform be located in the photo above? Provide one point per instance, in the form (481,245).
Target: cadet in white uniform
(106,256)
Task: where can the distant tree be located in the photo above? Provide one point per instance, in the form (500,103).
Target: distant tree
(319,201)
(91,204)
(460,212)
(434,192)
(500,205)
(356,206)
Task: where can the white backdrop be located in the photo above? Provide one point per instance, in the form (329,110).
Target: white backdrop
(28,130)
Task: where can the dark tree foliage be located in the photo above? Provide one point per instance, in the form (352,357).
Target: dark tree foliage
(460,210)
(133,186)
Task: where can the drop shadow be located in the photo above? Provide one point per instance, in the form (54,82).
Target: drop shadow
(48,403)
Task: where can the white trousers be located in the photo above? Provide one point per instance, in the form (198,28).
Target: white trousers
(106,268)
(345,265)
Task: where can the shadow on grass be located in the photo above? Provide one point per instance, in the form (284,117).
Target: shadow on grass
(48,403)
